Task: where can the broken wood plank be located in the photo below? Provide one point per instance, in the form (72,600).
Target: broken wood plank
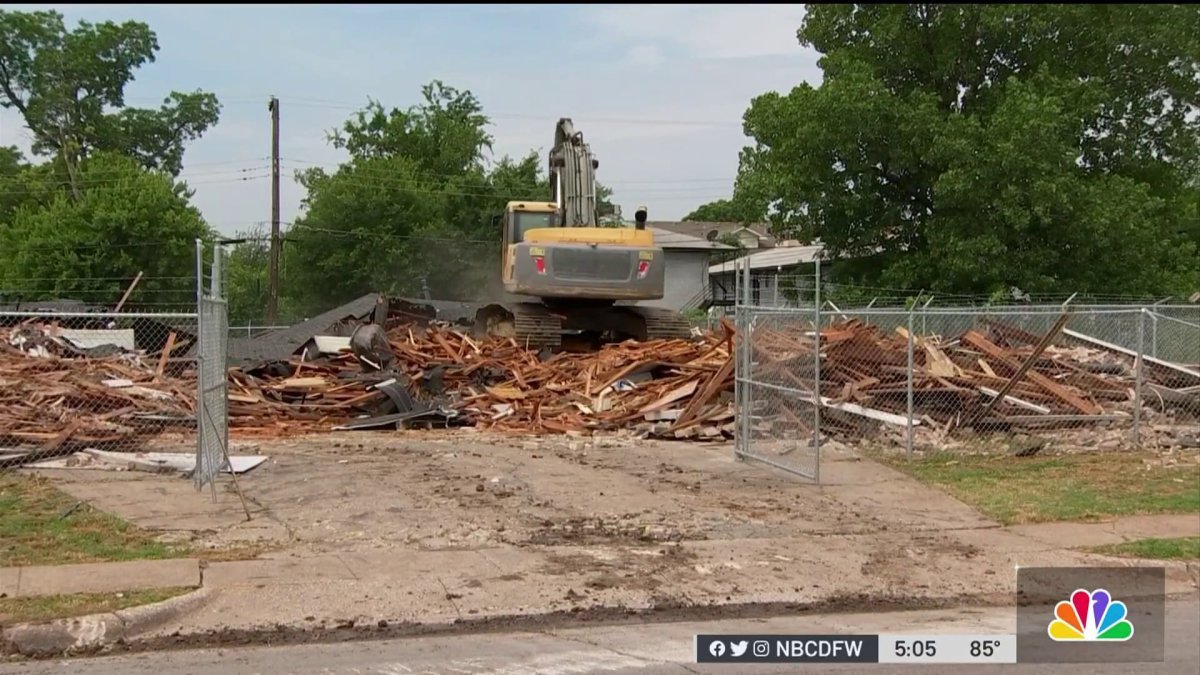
(1032,359)
(997,354)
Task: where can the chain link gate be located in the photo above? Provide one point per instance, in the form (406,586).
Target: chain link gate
(212,414)
(776,383)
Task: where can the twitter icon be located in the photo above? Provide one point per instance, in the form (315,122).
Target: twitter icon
(738,648)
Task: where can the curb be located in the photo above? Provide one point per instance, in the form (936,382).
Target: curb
(89,633)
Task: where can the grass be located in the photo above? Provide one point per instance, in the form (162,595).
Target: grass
(35,531)
(1183,548)
(1015,490)
(46,608)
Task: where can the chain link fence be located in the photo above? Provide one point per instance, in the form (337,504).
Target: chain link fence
(922,377)
(113,380)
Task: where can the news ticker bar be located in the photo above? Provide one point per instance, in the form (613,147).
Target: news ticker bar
(856,648)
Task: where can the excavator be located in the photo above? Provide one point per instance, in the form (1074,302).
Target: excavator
(581,278)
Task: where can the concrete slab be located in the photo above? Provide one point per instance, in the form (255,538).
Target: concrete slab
(1069,535)
(369,565)
(276,571)
(1001,539)
(155,502)
(1131,528)
(110,577)
(1158,527)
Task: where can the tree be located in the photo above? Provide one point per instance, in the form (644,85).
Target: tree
(14,187)
(970,148)
(69,87)
(727,211)
(411,209)
(132,221)
(246,277)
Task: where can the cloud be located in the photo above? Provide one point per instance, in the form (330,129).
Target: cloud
(705,31)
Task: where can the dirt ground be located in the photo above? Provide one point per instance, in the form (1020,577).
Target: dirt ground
(436,526)
(461,490)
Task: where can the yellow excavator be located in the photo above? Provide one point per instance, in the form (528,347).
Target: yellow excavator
(580,275)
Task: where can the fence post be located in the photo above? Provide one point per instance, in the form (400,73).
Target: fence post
(747,356)
(1154,334)
(908,435)
(1137,389)
(199,272)
(742,363)
(817,371)
(215,284)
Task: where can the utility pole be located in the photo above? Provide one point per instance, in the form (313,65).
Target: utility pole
(273,273)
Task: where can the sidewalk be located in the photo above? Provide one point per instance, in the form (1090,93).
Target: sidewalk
(110,577)
(450,584)
(504,531)
(1115,531)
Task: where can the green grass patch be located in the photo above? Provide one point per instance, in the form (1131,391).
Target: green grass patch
(42,525)
(49,607)
(35,531)
(1182,548)
(1082,487)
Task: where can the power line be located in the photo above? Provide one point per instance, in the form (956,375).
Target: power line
(111,189)
(324,103)
(369,170)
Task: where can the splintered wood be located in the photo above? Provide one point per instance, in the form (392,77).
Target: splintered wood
(53,401)
(669,388)
(991,377)
(864,380)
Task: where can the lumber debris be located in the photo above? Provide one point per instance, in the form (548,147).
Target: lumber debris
(993,377)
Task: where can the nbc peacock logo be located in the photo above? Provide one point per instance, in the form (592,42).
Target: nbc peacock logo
(1093,616)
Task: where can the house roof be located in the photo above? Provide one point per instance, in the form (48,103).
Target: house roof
(676,240)
(280,344)
(700,229)
(783,256)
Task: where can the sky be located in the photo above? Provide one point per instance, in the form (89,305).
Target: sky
(657,90)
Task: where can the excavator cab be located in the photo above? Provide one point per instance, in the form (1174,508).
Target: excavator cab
(518,219)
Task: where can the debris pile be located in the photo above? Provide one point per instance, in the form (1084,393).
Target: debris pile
(414,371)
(440,376)
(992,378)
(57,397)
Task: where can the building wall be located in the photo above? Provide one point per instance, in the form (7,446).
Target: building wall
(748,239)
(767,287)
(686,277)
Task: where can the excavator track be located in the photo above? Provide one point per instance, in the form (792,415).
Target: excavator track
(530,324)
(536,326)
(663,324)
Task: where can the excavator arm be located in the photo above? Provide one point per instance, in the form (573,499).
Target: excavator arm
(573,176)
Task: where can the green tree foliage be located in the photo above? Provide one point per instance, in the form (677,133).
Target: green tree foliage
(737,210)
(411,211)
(127,220)
(977,147)
(246,265)
(14,189)
(69,86)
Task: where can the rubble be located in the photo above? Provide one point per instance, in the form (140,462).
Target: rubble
(441,376)
(56,397)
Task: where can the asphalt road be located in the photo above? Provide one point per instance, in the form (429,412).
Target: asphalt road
(643,649)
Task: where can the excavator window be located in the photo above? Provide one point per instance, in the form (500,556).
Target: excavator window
(525,221)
